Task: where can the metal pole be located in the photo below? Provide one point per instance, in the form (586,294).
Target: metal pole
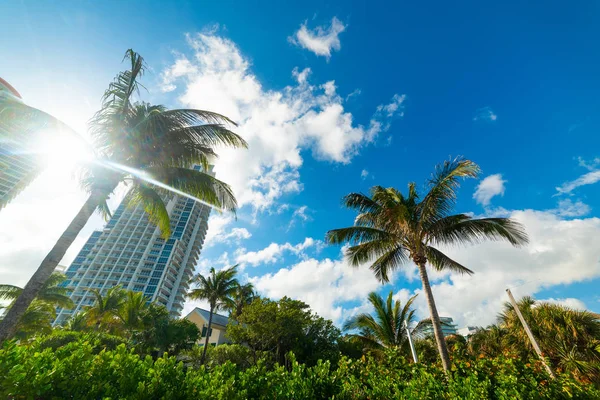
(529,333)
(410,342)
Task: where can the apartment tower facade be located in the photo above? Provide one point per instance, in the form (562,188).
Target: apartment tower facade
(131,252)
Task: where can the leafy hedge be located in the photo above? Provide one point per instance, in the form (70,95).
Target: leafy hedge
(77,370)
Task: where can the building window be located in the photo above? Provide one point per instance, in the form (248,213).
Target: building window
(204,332)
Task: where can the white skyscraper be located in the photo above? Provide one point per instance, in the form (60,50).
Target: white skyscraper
(130,252)
(17,167)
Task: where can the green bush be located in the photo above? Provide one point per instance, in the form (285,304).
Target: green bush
(77,370)
(99,340)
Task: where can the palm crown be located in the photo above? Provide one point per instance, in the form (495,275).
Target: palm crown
(155,148)
(392,229)
(218,288)
(386,328)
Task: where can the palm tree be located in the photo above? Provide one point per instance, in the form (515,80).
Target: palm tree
(51,292)
(568,338)
(106,308)
(132,311)
(386,328)
(489,342)
(392,229)
(218,289)
(243,295)
(78,322)
(149,147)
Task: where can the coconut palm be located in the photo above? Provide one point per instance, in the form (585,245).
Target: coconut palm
(243,295)
(152,149)
(393,229)
(105,310)
(218,288)
(384,329)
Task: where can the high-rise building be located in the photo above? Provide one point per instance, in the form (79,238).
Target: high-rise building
(17,167)
(448,328)
(131,252)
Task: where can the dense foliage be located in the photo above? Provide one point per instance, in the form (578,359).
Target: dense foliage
(569,339)
(79,370)
(283,326)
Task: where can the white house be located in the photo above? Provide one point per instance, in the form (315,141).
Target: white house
(218,328)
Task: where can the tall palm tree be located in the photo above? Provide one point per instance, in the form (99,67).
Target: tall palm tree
(148,147)
(218,289)
(393,229)
(384,329)
(106,308)
(243,295)
(51,292)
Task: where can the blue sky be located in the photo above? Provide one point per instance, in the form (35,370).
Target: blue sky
(335,98)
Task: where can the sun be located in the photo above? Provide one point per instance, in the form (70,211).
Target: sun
(61,149)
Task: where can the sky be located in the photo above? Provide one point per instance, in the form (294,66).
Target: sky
(333,98)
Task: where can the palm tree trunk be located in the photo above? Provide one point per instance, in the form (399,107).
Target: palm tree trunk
(8,325)
(207,335)
(435,319)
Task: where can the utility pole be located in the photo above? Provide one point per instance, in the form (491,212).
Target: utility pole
(529,333)
(410,342)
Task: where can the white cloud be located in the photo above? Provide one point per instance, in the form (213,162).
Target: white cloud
(392,108)
(363,174)
(570,302)
(322,40)
(323,284)
(485,114)
(585,179)
(560,252)
(220,230)
(278,124)
(300,214)
(489,187)
(589,165)
(568,208)
(272,252)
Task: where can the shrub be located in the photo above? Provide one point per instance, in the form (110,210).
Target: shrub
(77,370)
(99,340)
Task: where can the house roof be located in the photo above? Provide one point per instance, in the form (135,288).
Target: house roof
(217,319)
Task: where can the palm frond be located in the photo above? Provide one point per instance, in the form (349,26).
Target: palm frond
(360,202)
(198,184)
(154,206)
(194,117)
(9,292)
(441,198)
(463,229)
(442,262)
(391,260)
(357,234)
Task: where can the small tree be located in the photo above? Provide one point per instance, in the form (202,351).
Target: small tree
(283,326)
(218,289)
(385,328)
